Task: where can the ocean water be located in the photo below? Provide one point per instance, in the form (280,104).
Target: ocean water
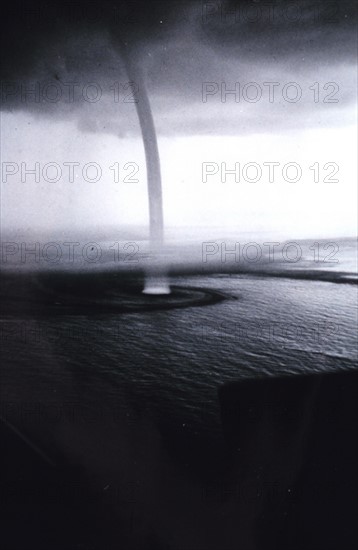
(170,363)
(95,373)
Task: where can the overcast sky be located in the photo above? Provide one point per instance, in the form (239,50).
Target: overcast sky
(192,54)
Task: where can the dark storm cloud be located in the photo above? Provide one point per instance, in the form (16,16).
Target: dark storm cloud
(255,26)
(181,45)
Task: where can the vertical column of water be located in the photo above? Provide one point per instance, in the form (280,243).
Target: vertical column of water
(156,281)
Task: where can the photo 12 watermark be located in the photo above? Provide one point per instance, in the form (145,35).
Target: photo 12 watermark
(270,92)
(228,332)
(57,91)
(71,252)
(219,13)
(268,252)
(269,172)
(69,172)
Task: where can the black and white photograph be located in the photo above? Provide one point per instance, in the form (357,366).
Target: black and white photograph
(178,284)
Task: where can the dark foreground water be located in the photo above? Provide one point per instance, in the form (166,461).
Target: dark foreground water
(174,360)
(130,394)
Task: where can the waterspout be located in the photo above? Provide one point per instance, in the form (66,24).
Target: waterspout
(156,281)
(156,285)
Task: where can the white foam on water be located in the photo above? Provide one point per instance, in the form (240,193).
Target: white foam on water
(156,286)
